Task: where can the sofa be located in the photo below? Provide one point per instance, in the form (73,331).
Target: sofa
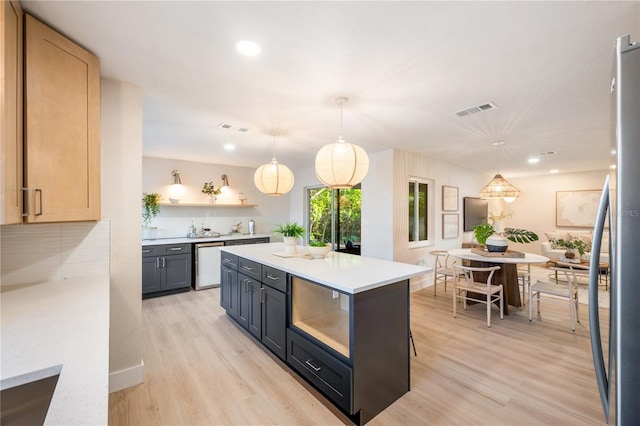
(548,250)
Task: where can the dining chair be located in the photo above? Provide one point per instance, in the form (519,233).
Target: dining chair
(524,277)
(441,269)
(568,290)
(467,288)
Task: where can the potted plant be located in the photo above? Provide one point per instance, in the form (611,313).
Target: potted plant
(496,242)
(210,189)
(290,231)
(572,247)
(318,249)
(150,209)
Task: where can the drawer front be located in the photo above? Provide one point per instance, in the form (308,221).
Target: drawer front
(170,249)
(148,251)
(250,268)
(274,278)
(229,260)
(325,372)
(246,241)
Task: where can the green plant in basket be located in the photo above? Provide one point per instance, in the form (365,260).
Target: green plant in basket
(290,229)
(317,243)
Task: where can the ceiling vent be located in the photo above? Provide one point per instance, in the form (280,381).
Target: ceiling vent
(225,125)
(488,106)
(243,129)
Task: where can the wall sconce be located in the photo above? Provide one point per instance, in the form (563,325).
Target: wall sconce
(176,190)
(225,181)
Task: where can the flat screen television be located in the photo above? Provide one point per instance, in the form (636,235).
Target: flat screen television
(476,211)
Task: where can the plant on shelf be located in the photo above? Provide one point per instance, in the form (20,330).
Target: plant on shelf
(574,244)
(150,207)
(210,189)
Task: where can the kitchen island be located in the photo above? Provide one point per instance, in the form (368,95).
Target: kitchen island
(341,323)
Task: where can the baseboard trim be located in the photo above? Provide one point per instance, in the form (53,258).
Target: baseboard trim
(126,378)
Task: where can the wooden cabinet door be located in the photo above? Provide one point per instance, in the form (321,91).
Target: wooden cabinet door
(254,323)
(177,271)
(62,127)
(274,321)
(11,69)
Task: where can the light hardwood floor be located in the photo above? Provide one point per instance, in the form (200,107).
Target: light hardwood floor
(202,369)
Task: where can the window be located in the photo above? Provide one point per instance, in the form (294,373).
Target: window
(334,216)
(420,204)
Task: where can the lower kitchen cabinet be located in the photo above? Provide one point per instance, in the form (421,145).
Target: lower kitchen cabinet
(260,308)
(166,269)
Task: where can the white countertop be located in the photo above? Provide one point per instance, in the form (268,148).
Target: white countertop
(466,253)
(340,271)
(185,240)
(61,322)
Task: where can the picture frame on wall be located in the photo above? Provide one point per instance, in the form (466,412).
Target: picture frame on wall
(449,198)
(577,209)
(450,225)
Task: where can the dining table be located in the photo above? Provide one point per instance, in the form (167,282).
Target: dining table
(508,273)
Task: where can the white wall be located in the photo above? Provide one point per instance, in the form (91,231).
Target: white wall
(174,220)
(121,141)
(535,209)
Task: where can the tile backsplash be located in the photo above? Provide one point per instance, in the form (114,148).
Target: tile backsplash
(53,251)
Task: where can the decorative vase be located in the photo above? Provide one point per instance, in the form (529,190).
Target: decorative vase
(319,252)
(290,244)
(496,243)
(212,199)
(571,254)
(149,232)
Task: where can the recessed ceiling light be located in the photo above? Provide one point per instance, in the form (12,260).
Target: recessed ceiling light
(229,146)
(248,48)
(533,160)
(554,171)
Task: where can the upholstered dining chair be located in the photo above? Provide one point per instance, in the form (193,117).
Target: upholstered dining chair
(442,271)
(568,291)
(467,288)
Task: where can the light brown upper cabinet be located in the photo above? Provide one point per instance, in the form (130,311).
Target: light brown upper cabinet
(11,69)
(61,127)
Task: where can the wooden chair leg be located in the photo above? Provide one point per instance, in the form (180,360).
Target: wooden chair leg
(488,310)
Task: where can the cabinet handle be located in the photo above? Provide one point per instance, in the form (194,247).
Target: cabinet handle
(246,287)
(26,213)
(164,262)
(308,362)
(247,268)
(157,262)
(261,294)
(176,249)
(146,251)
(227,261)
(39,191)
(271,277)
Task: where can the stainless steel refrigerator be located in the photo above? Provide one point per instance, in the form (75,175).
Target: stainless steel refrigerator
(616,357)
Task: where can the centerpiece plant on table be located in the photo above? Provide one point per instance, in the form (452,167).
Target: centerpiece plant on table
(571,245)
(290,232)
(318,248)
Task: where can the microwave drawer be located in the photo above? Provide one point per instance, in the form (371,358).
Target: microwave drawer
(274,278)
(325,372)
(229,260)
(250,268)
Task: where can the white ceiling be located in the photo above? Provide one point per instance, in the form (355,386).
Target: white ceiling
(407,67)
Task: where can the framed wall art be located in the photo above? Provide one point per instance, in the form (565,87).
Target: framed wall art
(450,225)
(449,198)
(577,209)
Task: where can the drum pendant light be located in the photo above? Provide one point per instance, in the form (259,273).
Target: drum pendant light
(273,178)
(341,164)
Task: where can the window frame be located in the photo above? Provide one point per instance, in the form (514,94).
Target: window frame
(429,215)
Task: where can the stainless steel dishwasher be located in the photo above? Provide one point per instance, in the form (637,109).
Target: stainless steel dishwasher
(207,265)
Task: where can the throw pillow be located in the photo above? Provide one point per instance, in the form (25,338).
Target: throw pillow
(557,235)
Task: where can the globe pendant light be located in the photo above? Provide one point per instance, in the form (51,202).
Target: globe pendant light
(341,164)
(273,178)
(499,187)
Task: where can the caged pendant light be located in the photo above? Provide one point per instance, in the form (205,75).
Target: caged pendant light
(273,178)
(499,187)
(341,164)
